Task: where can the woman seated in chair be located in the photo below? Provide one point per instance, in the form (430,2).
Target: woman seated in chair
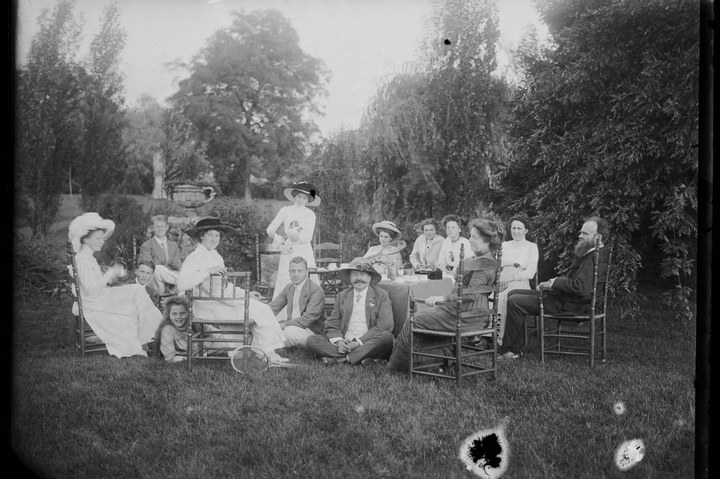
(426,250)
(386,255)
(195,274)
(485,238)
(123,317)
(519,263)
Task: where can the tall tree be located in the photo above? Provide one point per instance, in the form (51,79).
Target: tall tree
(606,123)
(142,137)
(102,163)
(48,115)
(248,94)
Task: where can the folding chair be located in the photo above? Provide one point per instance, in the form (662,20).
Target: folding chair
(85,339)
(588,326)
(465,353)
(212,338)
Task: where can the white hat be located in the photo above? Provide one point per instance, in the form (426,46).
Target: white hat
(388,225)
(86,223)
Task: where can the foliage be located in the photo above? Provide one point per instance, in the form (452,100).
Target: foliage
(434,136)
(101,165)
(247,95)
(37,270)
(48,115)
(141,138)
(238,248)
(605,123)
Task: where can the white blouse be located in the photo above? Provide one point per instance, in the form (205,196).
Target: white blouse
(450,252)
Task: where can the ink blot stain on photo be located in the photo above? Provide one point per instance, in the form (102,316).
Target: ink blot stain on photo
(486,452)
(629,454)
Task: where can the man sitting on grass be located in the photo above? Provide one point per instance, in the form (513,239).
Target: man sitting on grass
(563,294)
(162,253)
(359,330)
(305,301)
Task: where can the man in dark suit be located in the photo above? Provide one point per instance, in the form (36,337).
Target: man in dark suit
(360,326)
(564,294)
(162,253)
(305,302)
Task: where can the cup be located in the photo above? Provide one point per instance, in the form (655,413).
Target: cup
(332,266)
(400,272)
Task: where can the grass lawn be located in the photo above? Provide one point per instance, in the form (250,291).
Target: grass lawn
(100,416)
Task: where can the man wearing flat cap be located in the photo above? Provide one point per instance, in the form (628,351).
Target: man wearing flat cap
(359,330)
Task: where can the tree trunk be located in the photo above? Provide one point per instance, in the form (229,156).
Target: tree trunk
(248,193)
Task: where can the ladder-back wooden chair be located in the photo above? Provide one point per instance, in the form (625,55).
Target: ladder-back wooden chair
(589,327)
(467,357)
(262,248)
(216,338)
(327,253)
(85,339)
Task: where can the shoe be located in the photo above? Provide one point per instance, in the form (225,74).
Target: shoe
(329,361)
(373,362)
(508,355)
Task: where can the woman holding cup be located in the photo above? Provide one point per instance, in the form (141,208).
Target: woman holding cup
(123,317)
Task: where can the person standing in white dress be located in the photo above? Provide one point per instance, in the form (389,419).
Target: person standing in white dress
(519,264)
(123,317)
(449,256)
(195,273)
(298,222)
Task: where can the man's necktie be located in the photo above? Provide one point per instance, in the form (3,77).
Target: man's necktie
(164,250)
(357,299)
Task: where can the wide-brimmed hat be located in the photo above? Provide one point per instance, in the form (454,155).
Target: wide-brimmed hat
(85,223)
(388,225)
(206,224)
(302,187)
(344,273)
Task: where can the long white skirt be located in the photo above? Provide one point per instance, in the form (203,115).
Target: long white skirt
(124,318)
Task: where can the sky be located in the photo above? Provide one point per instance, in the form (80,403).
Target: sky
(360,41)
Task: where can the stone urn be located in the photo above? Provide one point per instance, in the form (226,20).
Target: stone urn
(191,197)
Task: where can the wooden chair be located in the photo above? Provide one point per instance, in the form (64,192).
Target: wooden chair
(85,339)
(327,253)
(535,328)
(202,331)
(262,249)
(588,326)
(465,351)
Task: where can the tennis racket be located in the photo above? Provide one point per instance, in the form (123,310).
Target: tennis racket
(249,360)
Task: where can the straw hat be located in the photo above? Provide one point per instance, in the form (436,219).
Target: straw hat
(302,187)
(206,224)
(344,273)
(388,225)
(86,223)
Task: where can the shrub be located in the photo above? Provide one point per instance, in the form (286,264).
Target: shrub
(130,221)
(238,250)
(37,268)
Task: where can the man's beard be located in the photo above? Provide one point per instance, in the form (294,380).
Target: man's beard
(582,247)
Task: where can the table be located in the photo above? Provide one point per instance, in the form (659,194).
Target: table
(400,292)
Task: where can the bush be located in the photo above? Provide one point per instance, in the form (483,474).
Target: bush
(37,269)
(238,250)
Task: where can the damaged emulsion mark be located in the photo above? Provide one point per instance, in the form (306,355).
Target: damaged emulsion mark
(486,453)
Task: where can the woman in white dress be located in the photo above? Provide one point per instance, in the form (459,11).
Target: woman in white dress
(449,255)
(195,274)
(298,222)
(426,249)
(122,317)
(386,255)
(519,264)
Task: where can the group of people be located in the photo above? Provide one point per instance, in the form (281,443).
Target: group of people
(359,329)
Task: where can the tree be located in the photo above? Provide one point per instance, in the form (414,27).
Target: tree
(102,164)
(248,95)
(142,137)
(48,115)
(605,123)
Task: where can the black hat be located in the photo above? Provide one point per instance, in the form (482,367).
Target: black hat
(208,223)
(302,187)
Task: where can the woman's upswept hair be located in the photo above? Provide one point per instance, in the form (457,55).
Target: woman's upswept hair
(427,221)
(522,218)
(457,219)
(493,231)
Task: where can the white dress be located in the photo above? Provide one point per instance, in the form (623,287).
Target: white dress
(267,334)
(450,252)
(525,255)
(123,317)
(302,220)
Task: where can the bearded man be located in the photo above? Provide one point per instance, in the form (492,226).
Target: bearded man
(563,294)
